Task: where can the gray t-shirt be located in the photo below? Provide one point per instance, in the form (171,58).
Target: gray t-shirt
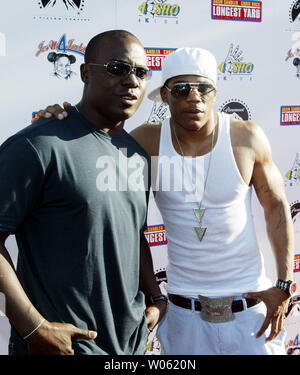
(76,200)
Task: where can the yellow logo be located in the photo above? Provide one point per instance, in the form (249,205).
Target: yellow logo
(157,8)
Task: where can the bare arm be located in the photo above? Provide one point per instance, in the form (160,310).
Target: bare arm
(19,309)
(270,191)
(149,286)
(50,338)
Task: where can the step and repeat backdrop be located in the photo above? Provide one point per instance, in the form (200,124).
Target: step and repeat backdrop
(257,47)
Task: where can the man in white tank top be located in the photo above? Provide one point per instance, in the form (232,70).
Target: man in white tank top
(215,272)
(220,300)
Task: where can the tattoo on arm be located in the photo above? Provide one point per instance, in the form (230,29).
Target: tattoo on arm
(263,189)
(282,218)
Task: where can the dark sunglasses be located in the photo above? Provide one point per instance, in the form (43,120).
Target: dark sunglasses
(183,89)
(122,69)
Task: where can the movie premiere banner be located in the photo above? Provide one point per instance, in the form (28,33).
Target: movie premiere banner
(257,47)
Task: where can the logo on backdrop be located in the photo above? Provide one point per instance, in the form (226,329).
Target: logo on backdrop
(159,112)
(69,5)
(294,11)
(153,347)
(62,45)
(289,115)
(236,10)
(152,11)
(293,346)
(62,64)
(156,235)
(61,10)
(297,263)
(155,57)
(293,54)
(61,55)
(292,177)
(237,108)
(295,213)
(233,66)
(161,276)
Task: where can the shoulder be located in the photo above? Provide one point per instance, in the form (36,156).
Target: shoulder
(40,128)
(251,135)
(17,153)
(19,140)
(147,135)
(36,141)
(245,128)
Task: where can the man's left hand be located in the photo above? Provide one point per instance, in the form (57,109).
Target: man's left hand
(276,301)
(154,314)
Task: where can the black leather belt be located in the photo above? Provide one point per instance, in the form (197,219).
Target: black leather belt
(186,303)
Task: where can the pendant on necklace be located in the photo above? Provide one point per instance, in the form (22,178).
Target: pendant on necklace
(199,212)
(200,232)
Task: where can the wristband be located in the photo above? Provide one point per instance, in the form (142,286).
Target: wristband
(159,297)
(32,332)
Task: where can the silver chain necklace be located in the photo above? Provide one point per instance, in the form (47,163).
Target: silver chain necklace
(199,212)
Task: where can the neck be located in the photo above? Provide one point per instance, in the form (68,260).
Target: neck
(97,119)
(196,134)
(195,142)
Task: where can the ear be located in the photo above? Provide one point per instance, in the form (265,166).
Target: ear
(84,73)
(72,59)
(51,56)
(215,96)
(163,94)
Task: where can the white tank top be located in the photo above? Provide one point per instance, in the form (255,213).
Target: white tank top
(227,261)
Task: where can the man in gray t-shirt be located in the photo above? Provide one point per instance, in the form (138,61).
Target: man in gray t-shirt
(75,196)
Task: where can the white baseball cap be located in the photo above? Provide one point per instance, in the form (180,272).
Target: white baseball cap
(186,61)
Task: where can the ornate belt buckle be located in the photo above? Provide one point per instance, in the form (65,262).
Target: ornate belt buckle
(216,310)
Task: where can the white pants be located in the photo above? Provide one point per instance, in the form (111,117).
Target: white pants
(182,331)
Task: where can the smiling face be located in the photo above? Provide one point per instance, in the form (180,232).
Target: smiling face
(115,98)
(62,67)
(191,112)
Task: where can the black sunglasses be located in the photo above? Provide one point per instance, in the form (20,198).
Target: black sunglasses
(122,69)
(183,89)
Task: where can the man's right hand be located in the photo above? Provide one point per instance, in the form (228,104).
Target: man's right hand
(53,110)
(56,338)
